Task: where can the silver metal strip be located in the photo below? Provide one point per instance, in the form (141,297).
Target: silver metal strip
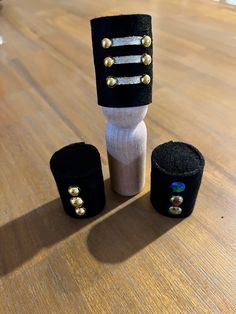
(126,41)
(129,80)
(128,59)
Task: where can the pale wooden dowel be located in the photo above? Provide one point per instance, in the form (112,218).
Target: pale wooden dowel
(126,139)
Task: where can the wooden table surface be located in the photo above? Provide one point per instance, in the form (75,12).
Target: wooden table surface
(129,259)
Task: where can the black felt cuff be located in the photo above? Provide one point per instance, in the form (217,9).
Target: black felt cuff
(176,175)
(116,27)
(78,174)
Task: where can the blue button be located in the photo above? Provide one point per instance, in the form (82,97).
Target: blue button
(177,187)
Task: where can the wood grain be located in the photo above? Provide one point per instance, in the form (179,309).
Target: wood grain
(129,259)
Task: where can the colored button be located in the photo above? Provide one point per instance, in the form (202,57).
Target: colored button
(174,210)
(177,187)
(176,200)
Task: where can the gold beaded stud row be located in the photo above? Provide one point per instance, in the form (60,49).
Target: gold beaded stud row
(146,41)
(109,61)
(76,201)
(146,59)
(113,81)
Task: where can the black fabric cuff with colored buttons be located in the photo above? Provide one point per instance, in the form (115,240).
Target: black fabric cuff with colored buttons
(123,82)
(78,174)
(176,175)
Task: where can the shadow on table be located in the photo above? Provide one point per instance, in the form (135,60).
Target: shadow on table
(128,231)
(42,227)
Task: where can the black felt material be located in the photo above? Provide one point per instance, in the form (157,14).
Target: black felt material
(175,162)
(79,164)
(113,27)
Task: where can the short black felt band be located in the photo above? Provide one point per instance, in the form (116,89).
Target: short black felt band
(79,164)
(175,162)
(121,26)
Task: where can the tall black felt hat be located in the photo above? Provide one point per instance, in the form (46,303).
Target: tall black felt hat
(176,174)
(78,174)
(122,49)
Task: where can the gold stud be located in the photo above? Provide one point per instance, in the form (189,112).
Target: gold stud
(174,210)
(176,200)
(146,79)
(106,43)
(146,59)
(80,211)
(146,41)
(74,190)
(108,62)
(111,81)
(76,201)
